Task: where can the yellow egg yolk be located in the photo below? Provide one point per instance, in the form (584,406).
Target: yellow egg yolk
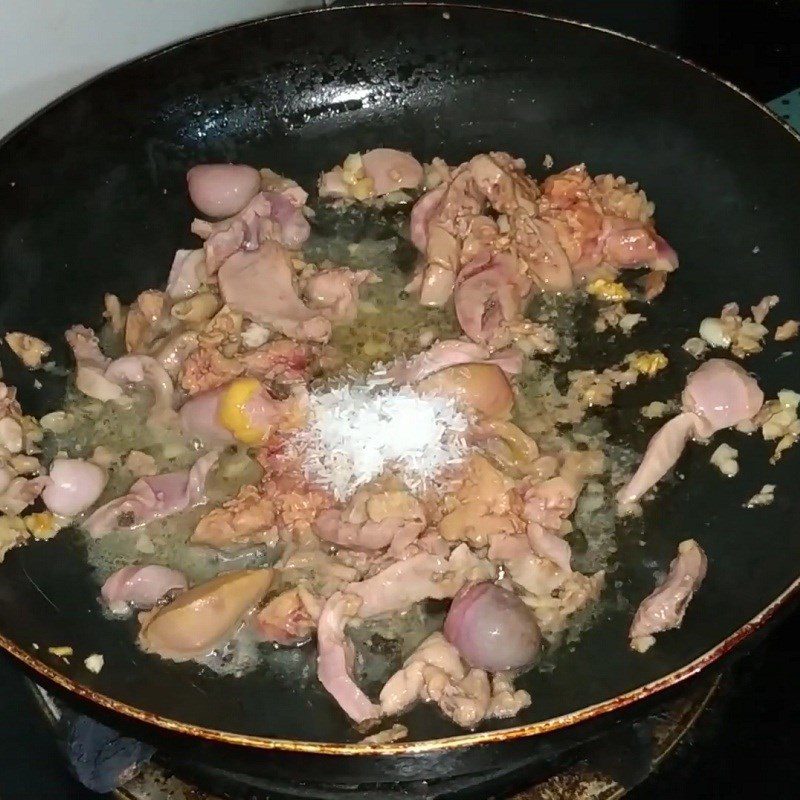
(232,412)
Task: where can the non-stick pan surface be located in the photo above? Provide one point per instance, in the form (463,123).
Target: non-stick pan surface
(92,199)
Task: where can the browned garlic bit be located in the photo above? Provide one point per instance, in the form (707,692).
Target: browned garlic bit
(608,290)
(647,363)
(43,524)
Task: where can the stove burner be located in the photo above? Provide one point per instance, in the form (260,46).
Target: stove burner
(605,769)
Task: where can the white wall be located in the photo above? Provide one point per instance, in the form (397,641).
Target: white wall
(49,46)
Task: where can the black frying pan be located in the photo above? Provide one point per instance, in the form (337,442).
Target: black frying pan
(92,199)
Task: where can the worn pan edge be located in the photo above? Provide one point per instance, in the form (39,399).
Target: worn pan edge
(450,742)
(411,748)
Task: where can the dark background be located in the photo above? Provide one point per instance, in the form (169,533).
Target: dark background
(744,745)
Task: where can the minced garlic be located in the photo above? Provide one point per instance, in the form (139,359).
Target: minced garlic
(616,316)
(105,457)
(749,338)
(763,307)
(609,290)
(12,533)
(787,331)
(695,347)
(641,644)
(359,186)
(764,497)
(724,459)
(363,189)
(778,420)
(140,464)
(744,336)
(715,333)
(629,322)
(94,663)
(655,410)
(609,317)
(353,169)
(62,651)
(590,388)
(393,734)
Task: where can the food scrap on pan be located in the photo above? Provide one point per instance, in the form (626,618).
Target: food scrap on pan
(293,444)
(94,663)
(743,336)
(787,330)
(724,458)
(666,606)
(30,350)
(765,496)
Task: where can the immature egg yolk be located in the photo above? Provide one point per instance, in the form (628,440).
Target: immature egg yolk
(233,414)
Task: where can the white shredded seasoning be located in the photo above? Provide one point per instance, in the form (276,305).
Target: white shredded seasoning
(255,335)
(355,433)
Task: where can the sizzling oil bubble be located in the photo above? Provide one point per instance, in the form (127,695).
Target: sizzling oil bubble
(118,430)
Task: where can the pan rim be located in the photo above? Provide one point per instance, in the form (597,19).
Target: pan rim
(460,740)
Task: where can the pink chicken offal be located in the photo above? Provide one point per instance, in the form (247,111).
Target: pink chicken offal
(720,394)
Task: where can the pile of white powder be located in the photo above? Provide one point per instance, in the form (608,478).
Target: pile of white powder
(357,432)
